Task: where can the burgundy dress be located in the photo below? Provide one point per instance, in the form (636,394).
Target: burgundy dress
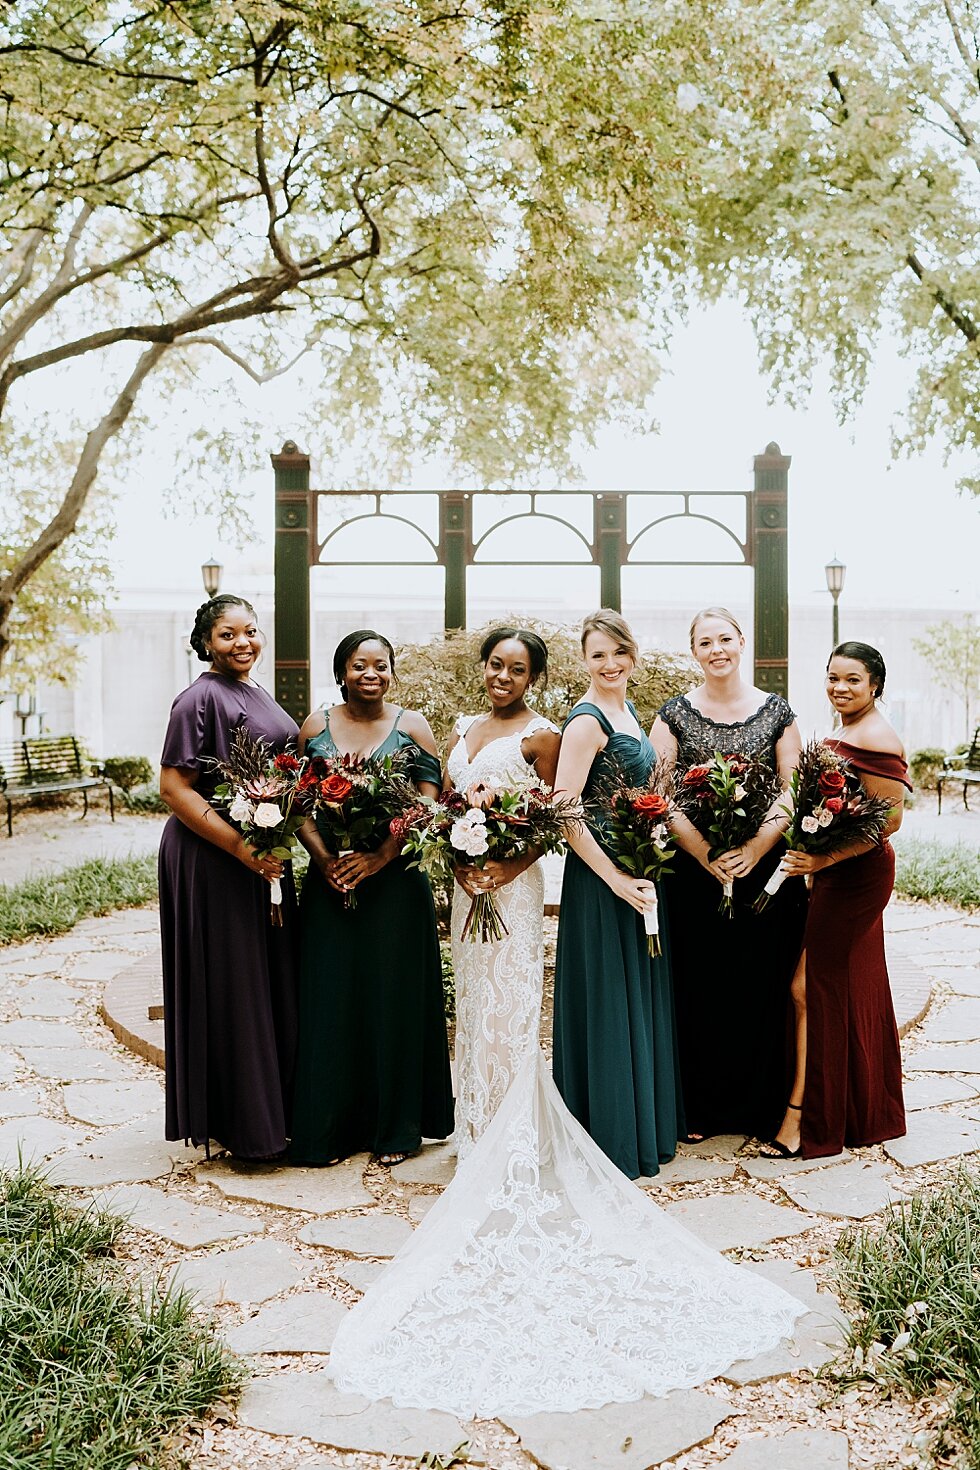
(229,977)
(853,1092)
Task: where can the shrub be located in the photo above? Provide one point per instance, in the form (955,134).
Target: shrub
(94,1375)
(925,766)
(127,771)
(145,798)
(444,678)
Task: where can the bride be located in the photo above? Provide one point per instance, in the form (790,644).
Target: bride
(543,1279)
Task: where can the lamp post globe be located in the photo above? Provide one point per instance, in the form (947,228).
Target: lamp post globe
(211,576)
(835,571)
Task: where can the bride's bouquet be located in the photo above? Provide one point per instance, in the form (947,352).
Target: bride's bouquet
(356,798)
(828,810)
(727,799)
(267,797)
(635,825)
(485,824)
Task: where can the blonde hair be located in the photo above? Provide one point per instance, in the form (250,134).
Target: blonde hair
(607,620)
(715,612)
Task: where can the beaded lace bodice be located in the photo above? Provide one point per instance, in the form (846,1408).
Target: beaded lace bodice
(699,738)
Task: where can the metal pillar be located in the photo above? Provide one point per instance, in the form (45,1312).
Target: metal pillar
(769,558)
(455,553)
(611,547)
(294,531)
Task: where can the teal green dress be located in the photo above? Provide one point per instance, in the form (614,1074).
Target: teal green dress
(615,1047)
(372,1071)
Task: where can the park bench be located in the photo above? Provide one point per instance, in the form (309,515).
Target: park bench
(957,768)
(47,765)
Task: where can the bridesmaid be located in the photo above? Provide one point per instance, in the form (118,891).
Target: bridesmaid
(373,1066)
(732,975)
(615,1058)
(847,1091)
(229,977)
(498,986)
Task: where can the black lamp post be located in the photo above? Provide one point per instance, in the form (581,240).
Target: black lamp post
(835,571)
(211,576)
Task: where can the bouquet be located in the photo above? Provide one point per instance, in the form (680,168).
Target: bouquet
(485,824)
(355,799)
(828,810)
(635,826)
(727,799)
(267,797)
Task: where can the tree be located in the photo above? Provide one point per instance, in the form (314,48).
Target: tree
(474,202)
(841,197)
(952,652)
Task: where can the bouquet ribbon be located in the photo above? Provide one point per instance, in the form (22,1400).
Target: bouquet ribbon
(651,924)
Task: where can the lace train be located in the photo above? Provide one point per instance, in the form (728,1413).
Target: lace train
(544,1280)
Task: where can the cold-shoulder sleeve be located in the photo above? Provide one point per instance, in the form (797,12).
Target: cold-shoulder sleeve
(424,765)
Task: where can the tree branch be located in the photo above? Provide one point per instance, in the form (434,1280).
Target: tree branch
(963,130)
(972,63)
(241,362)
(21,259)
(961,320)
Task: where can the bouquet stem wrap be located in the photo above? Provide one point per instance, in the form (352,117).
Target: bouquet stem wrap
(275,895)
(651,923)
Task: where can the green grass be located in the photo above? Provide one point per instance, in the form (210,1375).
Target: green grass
(93,1375)
(55,903)
(912,1286)
(928,869)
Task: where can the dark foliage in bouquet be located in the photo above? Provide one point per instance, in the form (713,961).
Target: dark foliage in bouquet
(486,824)
(634,823)
(727,800)
(268,797)
(356,799)
(828,810)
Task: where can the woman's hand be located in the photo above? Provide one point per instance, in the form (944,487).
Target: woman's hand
(353,867)
(494,874)
(719,867)
(637,892)
(261,863)
(802,864)
(739,861)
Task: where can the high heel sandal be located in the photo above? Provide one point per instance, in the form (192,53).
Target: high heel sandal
(773,1149)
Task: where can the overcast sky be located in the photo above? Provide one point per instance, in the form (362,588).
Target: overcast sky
(907,537)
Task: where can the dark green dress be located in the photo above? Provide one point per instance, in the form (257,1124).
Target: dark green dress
(372,1073)
(615,1044)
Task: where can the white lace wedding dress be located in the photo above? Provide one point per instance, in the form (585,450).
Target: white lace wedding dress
(498,986)
(543,1279)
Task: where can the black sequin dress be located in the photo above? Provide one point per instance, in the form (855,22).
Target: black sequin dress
(732,975)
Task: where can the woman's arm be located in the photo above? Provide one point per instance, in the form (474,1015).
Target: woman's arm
(795,862)
(540,750)
(308,834)
(580,744)
(688,837)
(774,823)
(354,867)
(178,790)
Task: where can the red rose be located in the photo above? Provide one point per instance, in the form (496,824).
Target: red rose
(737,764)
(286,762)
(834,804)
(650,804)
(831,783)
(335,789)
(696,775)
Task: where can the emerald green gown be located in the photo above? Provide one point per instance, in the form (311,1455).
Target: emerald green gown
(615,1047)
(372,1073)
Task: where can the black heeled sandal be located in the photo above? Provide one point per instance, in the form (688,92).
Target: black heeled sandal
(773,1149)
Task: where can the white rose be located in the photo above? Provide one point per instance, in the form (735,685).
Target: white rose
(824,817)
(739,792)
(267,814)
(468,837)
(810,824)
(240,810)
(688,97)
(476,815)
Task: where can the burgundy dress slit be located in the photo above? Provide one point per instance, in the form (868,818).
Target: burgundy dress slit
(853,1091)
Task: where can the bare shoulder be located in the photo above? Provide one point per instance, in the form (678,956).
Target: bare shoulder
(877,734)
(314,724)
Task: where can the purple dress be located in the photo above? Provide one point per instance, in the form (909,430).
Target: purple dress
(229,977)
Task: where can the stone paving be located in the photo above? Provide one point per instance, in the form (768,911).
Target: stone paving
(278,1255)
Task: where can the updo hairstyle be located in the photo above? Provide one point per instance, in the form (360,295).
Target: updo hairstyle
(715,612)
(863,653)
(346,647)
(537,650)
(207,615)
(607,620)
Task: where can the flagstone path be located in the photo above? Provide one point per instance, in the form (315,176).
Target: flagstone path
(278,1255)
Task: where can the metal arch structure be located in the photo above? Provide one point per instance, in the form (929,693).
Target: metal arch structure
(454,548)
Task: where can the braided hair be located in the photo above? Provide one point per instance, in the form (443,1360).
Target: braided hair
(346,647)
(207,615)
